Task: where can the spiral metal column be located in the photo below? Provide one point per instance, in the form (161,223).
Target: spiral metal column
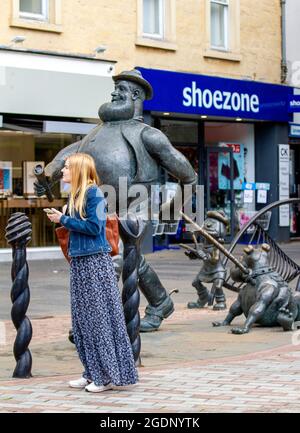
(132,230)
(18,235)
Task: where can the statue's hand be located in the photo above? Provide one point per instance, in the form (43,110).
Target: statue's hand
(197,254)
(191,255)
(39,189)
(248,278)
(202,255)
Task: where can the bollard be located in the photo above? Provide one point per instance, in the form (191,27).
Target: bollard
(18,235)
(132,230)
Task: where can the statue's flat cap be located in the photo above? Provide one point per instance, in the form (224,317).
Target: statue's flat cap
(136,77)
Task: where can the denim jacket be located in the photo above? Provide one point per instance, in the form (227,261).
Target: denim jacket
(87,236)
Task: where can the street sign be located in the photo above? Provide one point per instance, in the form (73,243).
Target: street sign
(284,185)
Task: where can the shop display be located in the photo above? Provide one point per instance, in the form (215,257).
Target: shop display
(224,166)
(5,177)
(244,216)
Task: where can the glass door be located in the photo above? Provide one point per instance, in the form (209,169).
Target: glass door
(220,184)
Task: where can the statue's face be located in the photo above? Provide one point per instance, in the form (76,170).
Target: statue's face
(214,227)
(256,258)
(122,93)
(121,106)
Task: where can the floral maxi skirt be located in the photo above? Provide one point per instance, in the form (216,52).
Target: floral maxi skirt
(98,322)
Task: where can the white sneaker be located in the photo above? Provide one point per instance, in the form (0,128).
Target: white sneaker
(79,383)
(94,388)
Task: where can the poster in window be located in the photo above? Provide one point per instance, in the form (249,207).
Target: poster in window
(6,177)
(238,166)
(29,177)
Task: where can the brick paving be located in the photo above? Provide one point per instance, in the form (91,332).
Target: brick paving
(270,383)
(188,366)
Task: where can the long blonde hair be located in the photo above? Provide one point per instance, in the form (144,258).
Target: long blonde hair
(83,176)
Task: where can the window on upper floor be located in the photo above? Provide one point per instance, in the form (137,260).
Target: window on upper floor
(153,18)
(43,15)
(219,16)
(34,9)
(221,21)
(156,23)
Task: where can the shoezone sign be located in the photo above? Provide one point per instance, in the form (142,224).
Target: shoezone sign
(176,92)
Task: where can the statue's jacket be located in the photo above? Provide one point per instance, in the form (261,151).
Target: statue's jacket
(146,168)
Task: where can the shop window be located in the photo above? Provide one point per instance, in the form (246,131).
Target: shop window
(222,23)
(42,15)
(34,9)
(19,153)
(156,23)
(219,24)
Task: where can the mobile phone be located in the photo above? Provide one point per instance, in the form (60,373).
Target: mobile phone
(47,210)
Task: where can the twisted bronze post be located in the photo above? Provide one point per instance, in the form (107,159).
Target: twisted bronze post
(18,235)
(132,230)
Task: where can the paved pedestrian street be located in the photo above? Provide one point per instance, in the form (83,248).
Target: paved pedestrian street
(268,383)
(188,366)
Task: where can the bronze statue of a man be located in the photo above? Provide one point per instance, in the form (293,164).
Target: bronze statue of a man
(125,147)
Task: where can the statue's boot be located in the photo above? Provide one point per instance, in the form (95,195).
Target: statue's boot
(204,296)
(160,304)
(220,299)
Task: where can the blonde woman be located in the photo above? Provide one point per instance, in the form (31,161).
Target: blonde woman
(98,322)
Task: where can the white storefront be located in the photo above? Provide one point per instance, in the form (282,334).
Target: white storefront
(47,101)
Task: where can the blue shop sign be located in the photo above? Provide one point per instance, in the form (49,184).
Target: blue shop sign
(214,96)
(294,104)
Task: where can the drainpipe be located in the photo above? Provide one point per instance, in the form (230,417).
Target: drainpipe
(284,68)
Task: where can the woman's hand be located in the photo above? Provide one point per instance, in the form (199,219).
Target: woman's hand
(55,216)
